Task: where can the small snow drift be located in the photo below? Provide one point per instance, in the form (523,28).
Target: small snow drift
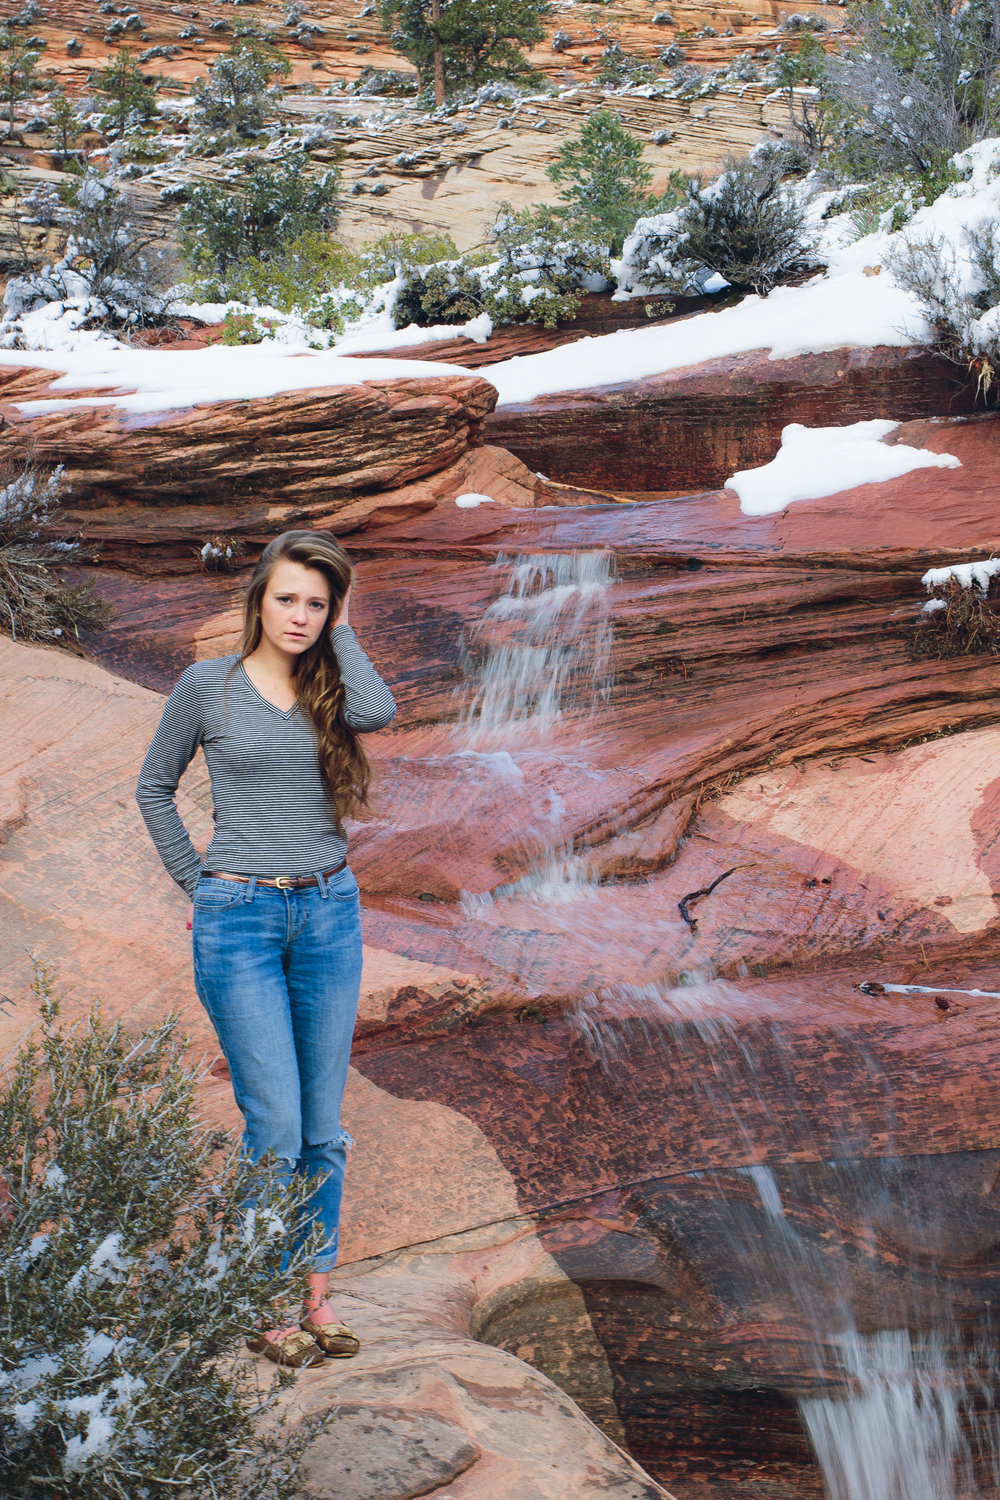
(471,500)
(817,461)
(966,575)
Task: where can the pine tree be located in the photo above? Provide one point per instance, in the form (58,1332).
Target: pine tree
(234,98)
(605,182)
(130,95)
(18,75)
(63,118)
(477,39)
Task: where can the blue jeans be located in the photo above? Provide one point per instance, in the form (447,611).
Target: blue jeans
(279,973)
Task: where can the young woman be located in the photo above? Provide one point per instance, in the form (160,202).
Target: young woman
(276,920)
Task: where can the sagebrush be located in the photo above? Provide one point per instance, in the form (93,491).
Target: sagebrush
(36,603)
(132,1265)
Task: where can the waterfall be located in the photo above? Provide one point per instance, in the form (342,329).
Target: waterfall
(541,651)
(896,1391)
(899,1435)
(545,640)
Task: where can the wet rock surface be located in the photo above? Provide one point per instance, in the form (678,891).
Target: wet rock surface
(633,1146)
(691,428)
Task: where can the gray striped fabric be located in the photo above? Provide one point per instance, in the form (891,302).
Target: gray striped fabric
(272,816)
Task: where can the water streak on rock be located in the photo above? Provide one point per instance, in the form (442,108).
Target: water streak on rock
(897,1393)
(547,638)
(541,651)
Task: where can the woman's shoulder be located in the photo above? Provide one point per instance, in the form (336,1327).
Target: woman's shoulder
(206,675)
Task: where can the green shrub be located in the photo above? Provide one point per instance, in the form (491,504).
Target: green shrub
(797,72)
(397,254)
(63,119)
(535,269)
(888,202)
(19,77)
(604,180)
(544,268)
(306,276)
(747,226)
(620,69)
(220,227)
(130,1272)
(242,328)
(448,292)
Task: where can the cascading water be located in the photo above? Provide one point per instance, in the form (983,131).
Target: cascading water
(899,1436)
(542,648)
(898,1404)
(897,1392)
(547,637)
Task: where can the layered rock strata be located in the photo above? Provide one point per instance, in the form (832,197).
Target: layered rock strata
(691,428)
(613,1057)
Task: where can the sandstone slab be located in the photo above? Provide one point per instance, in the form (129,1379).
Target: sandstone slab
(689,429)
(329,444)
(81,890)
(376,1452)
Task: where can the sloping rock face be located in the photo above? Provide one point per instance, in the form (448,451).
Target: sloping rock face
(299,447)
(691,428)
(81,889)
(665,789)
(443,174)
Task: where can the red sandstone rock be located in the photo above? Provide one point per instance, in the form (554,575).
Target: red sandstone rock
(552,1059)
(300,447)
(597,1124)
(691,428)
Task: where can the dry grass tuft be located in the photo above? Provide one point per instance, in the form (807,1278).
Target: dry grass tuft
(968,625)
(36,604)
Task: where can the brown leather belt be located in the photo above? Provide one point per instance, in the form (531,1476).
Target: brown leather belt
(278,882)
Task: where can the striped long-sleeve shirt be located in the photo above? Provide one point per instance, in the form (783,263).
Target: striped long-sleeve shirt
(272,815)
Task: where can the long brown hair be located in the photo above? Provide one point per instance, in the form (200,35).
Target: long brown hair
(343,763)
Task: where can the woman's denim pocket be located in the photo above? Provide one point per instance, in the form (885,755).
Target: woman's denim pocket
(343,886)
(216,895)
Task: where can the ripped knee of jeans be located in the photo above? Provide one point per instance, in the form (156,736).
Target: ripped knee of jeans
(343,1138)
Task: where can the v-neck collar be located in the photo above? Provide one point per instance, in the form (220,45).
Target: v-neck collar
(283,713)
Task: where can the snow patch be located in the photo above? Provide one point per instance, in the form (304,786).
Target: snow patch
(471,500)
(817,461)
(150,380)
(967,575)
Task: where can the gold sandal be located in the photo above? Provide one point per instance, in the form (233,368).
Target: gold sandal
(334,1339)
(295,1351)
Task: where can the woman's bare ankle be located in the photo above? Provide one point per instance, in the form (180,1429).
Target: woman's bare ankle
(319,1313)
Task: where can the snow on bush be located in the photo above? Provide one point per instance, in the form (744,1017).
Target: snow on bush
(748,226)
(542,270)
(970,575)
(130,1273)
(108,271)
(35,603)
(959,618)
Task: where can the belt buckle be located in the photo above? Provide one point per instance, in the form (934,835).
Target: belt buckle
(283,882)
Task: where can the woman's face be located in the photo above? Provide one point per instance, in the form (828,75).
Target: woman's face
(295,607)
